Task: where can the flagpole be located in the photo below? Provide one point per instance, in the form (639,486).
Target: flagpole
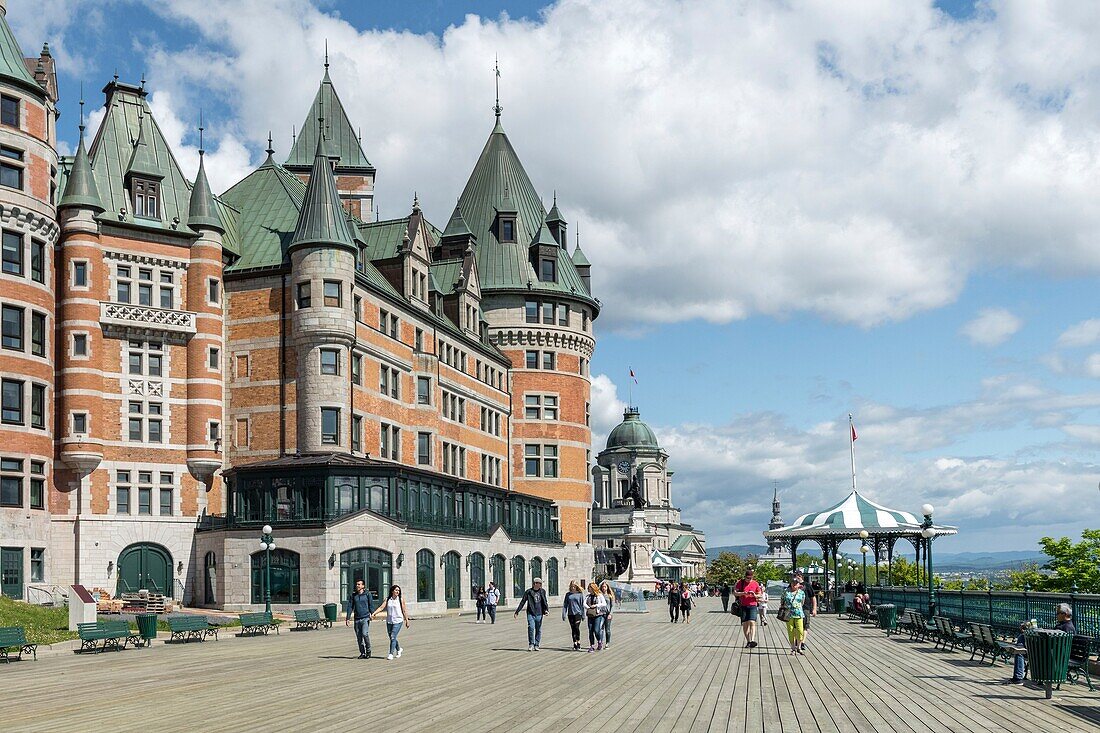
(630,390)
(852,447)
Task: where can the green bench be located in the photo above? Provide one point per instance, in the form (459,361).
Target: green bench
(13,637)
(948,634)
(100,635)
(310,618)
(257,623)
(984,640)
(1078,660)
(187,628)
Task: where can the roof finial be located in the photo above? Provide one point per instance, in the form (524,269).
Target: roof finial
(496,69)
(359,135)
(143,81)
(270,150)
(416,201)
(321,117)
(293,135)
(326,54)
(202,151)
(116,73)
(82,108)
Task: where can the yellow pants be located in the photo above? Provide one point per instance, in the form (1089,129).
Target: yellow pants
(795,632)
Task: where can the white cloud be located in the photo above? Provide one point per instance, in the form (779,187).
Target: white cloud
(1092,366)
(1085,333)
(991,327)
(606,408)
(723,159)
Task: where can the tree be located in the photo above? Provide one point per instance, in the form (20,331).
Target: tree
(728,567)
(1026,576)
(1073,563)
(903,572)
(767,571)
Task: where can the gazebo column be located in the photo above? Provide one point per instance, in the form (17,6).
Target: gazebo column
(794,556)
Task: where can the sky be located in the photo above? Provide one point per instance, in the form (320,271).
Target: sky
(794,210)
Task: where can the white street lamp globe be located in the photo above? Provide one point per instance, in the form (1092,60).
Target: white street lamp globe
(863,534)
(864,549)
(927,533)
(927,510)
(263,545)
(271,545)
(267,529)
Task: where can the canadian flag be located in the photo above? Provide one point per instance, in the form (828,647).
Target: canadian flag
(633,377)
(854,436)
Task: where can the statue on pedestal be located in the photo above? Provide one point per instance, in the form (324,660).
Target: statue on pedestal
(635,494)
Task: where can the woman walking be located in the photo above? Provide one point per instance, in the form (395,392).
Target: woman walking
(572,610)
(686,602)
(673,603)
(481,597)
(609,594)
(595,608)
(791,608)
(396,617)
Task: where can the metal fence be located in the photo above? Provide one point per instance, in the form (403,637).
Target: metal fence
(1004,610)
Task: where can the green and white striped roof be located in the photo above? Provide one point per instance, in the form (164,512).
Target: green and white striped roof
(850,516)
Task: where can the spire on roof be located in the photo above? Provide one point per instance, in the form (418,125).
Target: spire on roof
(337,128)
(496,75)
(457,226)
(142,160)
(80,188)
(579,260)
(416,202)
(322,221)
(202,210)
(555,213)
(544,237)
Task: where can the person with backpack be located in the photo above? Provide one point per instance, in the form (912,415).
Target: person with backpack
(595,608)
(492,598)
(572,610)
(609,594)
(479,596)
(538,605)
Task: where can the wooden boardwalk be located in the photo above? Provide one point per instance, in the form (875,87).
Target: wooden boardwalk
(459,676)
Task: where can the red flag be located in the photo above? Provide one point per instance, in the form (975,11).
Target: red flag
(633,377)
(854,436)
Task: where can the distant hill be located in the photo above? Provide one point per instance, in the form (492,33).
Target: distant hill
(742,550)
(946,561)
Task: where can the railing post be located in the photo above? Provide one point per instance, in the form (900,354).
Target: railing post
(1027,602)
(989,592)
(962,605)
(1073,599)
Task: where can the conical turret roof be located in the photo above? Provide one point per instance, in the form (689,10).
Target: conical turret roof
(202,211)
(80,188)
(322,221)
(544,237)
(579,260)
(342,142)
(457,226)
(12,66)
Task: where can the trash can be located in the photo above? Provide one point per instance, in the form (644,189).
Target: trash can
(147,626)
(887,617)
(1047,656)
(330,612)
(841,605)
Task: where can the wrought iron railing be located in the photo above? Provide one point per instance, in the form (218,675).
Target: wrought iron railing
(1003,610)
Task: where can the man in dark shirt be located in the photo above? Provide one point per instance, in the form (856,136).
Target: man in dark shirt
(538,605)
(1064,623)
(809,607)
(361,606)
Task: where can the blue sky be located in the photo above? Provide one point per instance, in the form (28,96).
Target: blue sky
(906,233)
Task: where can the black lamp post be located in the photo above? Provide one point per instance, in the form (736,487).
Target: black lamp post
(267,544)
(928,532)
(864,549)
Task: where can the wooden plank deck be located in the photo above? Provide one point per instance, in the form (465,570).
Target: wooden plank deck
(456,675)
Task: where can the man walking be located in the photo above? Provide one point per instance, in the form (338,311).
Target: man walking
(538,605)
(361,606)
(809,607)
(492,598)
(725,597)
(747,591)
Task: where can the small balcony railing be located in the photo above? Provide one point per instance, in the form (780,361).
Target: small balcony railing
(146,317)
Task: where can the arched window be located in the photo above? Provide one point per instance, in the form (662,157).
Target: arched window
(536,569)
(372,566)
(210,577)
(477,573)
(285,581)
(452,579)
(425,575)
(552,576)
(499,563)
(519,579)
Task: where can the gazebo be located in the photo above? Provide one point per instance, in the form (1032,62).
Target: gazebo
(857,518)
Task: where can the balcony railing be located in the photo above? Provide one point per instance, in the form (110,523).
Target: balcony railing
(146,317)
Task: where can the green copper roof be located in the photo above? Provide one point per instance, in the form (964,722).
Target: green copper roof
(202,211)
(143,161)
(579,260)
(632,432)
(80,188)
(342,140)
(499,182)
(382,238)
(555,213)
(322,221)
(682,543)
(457,226)
(544,237)
(268,200)
(12,67)
(446,274)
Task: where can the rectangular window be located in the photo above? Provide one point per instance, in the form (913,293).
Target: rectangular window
(423,391)
(11,402)
(38,334)
(383,320)
(145,500)
(154,365)
(424,449)
(38,406)
(167,291)
(304,297)
(549,461)
(242,366)
(584,320)
(548,271)
(213,290)
(418,342)
(547,312)
(213,359)
(214,431)
(394,326)
(135,361)
(11,175)
(38,485)
(507,230)
(145,291)
(330,361)
(563,314)
(241,436)
(38,565)
(389,382)
(38,261)
(80,423)
(12,327)
(333,297)
(389,441)
(532,311)
(165,502)
(11,483)
(531,409)
(532,359)
(80,274)
(548,359)
(146,198)
(330,425)
(356,368)
(122,499)
(531,460)
(13,253)
(9,111)
(358,304)
(356,433)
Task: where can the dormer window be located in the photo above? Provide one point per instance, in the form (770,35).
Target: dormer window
(146,198)
(548,270)
(507,229)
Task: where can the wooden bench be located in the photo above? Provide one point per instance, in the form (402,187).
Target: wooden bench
(257,623)
(310,618)
(948,634)
(188,628)
(13,637)
(113,635)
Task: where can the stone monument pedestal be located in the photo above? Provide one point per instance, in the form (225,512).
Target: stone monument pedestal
(639,541)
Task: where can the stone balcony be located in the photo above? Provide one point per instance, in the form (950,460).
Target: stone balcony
(146,318)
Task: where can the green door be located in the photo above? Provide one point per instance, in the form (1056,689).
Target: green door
(451,579)
(145,567)
(11,572)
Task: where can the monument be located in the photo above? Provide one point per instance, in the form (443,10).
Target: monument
(639,541)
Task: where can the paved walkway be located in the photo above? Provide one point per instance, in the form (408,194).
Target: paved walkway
(459,676)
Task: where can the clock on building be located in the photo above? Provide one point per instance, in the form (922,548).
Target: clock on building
(623,466)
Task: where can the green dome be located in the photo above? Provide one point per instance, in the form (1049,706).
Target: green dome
(632,432)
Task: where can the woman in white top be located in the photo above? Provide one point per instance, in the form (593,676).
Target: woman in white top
(596,608)
(396,616)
